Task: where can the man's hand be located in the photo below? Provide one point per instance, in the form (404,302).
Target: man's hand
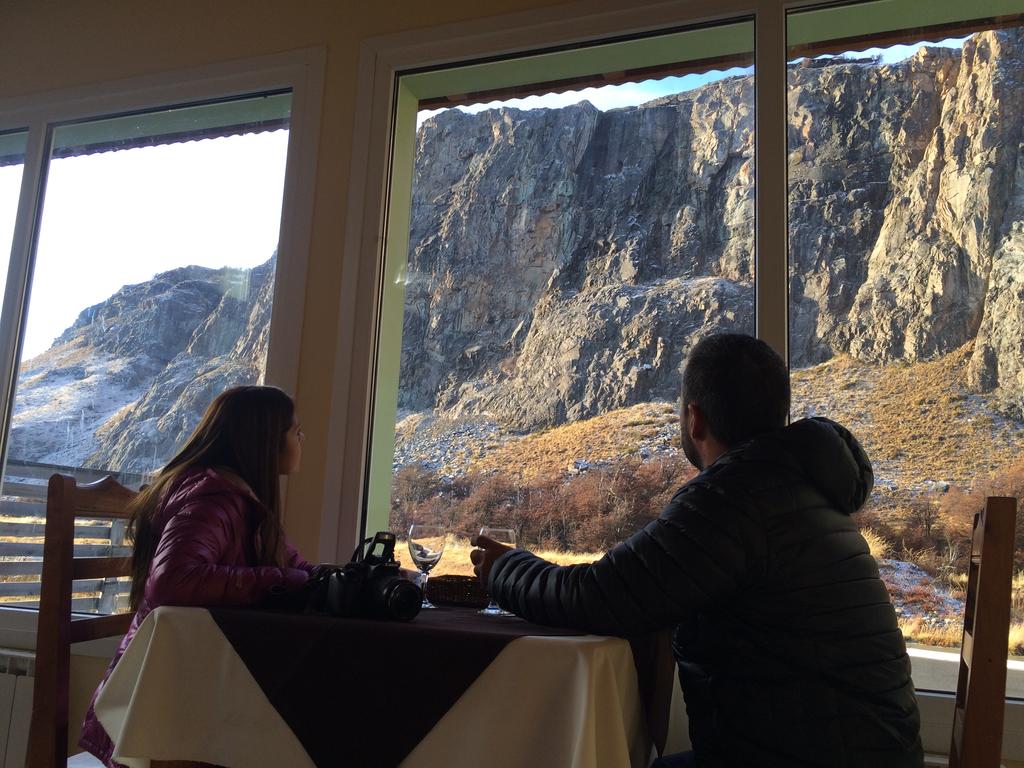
(488,550)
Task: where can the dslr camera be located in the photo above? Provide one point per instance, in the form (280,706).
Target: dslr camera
(370,586)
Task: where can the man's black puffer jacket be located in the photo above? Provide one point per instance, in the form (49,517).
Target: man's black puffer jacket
(787,643)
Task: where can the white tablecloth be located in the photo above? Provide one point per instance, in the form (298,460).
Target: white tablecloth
(181,692)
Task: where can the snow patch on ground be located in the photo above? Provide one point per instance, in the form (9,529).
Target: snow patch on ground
(916,593)
(422,438)
(57,411)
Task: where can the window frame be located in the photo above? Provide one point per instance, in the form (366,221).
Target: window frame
(384,59)
(733,39)
(302,73)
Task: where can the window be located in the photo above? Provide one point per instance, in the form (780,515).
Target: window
(564,250)
(904,236)
(151,290)
(810,33)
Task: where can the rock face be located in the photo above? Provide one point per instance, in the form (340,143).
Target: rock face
(126,383)
(559,257)
(928,276)
(607,348)
(853,129)
(563,261)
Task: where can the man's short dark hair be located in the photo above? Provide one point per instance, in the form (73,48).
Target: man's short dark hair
(740,385)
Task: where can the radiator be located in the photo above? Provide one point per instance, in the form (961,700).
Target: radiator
(16,678)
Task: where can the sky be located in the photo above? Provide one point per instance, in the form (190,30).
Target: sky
(606,97)
(117,218)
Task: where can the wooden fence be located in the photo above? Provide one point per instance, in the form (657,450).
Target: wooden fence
(22,527)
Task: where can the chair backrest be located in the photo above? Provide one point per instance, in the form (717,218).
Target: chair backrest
(57,630)
(981,688)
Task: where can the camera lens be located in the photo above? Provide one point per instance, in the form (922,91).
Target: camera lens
(403,599)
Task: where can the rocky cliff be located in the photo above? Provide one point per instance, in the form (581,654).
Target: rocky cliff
(126,383)
(563,261)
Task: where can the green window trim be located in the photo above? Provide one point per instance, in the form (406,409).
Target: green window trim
(824,30)
(266,112)
(12,147)
(728,44)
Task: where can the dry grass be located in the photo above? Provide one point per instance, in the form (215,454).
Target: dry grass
(916,630)
(608,437)
(1017,638)
(957,584)
(916,421)
(879,547)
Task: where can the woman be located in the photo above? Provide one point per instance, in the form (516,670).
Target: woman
(208,531)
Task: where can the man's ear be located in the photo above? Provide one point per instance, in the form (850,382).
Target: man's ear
(696,422)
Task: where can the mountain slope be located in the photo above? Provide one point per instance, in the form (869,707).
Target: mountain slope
(125,384)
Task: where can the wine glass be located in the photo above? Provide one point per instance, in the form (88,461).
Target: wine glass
(426,544)
(502,536)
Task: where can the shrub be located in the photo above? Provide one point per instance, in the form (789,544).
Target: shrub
(411,489)
(959,507)
(588,512)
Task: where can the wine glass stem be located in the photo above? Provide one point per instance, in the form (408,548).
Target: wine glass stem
(426,576)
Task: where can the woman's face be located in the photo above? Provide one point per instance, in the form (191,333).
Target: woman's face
(291,451)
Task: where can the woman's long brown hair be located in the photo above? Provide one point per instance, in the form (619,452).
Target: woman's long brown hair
(244,431)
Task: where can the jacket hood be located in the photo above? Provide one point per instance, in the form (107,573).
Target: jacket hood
(826,454)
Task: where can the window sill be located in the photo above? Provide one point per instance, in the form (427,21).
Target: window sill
(937,725)
(18,632)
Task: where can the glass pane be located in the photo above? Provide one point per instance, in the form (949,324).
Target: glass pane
(565,251)
(906,230)
(12,164)
(151,293)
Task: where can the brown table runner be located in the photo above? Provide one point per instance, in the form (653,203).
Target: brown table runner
(364,693)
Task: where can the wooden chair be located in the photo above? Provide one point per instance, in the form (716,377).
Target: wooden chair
(981,688)
(57,630)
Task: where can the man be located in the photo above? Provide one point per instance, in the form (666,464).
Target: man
(787,644)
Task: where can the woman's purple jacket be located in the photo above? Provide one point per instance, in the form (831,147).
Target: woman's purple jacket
(204,558)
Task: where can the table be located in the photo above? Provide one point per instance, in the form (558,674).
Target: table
(182,691)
